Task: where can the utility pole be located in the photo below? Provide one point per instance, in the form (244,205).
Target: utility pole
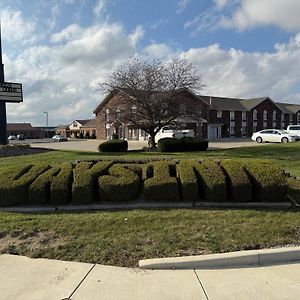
(3,123)
(9,92)
(47,126)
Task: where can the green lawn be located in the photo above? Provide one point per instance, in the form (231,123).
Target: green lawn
(122,238)
(286,156)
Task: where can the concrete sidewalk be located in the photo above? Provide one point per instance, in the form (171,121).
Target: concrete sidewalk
(25,278)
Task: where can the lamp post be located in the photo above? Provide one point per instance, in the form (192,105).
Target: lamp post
(45,112)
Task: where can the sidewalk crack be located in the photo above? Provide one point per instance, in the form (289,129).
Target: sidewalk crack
(82,280)
(201,285)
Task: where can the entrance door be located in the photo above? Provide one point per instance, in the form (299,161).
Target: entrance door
(214,132)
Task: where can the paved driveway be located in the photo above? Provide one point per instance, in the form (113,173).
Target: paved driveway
(92,145)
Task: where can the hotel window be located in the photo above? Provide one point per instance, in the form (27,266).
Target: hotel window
(219,114)
(254,129)
(254,115)
(231,130)
(291,118)
(298,118)
(107,115)
(133,109)
(244,116)
(244,130)
(265,116)
(232,115)
(274,118)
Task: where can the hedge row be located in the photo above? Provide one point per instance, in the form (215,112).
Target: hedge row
(161,186)
(120,185)
(181,145)
(113,146)
(187,180)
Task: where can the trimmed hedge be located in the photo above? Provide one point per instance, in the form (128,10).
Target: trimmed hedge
(14,183)
(61,187)
(181,145)
(269,182)
(120,185)
(85,178)
(113,146)
(212,183)
(169,145)
(39,190)
(188,180)
(162,186)
(238,183)
(194,144)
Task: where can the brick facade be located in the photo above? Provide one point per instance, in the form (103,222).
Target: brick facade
(224,117)
(109,124)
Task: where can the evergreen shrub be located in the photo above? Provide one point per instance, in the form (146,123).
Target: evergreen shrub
(113,146)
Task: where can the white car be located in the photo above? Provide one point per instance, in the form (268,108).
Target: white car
(12,138)
(274,136)
(171,132)
(59,138)
(293,130)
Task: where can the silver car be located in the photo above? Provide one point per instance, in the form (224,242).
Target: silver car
(274,136)
(59,138)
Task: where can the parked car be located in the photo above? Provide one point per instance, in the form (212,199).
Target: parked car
(20,137)
(293,129)
(59,138)
(274,136)
(12,138)
(169,131)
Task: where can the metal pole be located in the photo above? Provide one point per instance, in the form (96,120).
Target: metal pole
(47,130)
(3,124)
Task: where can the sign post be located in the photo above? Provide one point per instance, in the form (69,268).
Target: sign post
(9,92)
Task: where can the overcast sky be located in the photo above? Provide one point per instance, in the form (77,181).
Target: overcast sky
(61,49)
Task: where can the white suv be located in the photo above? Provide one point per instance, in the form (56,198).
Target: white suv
(293,129)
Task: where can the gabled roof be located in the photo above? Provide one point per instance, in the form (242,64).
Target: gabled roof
(83,122)
(125,91)
(91,123)
(223,103)
(252,102)
(289,108)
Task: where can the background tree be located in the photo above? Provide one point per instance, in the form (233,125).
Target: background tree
(150,92)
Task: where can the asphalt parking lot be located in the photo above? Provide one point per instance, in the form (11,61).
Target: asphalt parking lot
(92,145)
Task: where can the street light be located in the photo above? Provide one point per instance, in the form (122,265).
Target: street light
(45,112)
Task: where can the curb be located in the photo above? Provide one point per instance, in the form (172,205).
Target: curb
(144,205)
(224,260)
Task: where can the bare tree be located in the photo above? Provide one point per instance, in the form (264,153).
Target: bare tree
(150,90)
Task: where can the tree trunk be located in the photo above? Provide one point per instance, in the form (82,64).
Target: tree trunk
(152,143)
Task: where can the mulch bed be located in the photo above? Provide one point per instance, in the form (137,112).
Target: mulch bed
(18,150)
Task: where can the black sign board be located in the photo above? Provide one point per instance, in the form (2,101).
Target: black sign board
(11,92)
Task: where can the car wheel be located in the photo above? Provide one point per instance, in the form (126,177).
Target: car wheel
(284,140)
(259,140)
